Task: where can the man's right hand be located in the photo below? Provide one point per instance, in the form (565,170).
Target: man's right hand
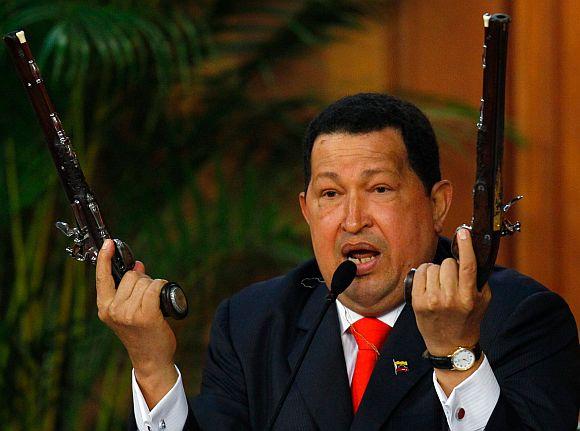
(132,312)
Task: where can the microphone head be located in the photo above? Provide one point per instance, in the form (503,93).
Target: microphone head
(342,277)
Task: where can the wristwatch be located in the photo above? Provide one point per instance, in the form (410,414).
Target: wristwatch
(461,360)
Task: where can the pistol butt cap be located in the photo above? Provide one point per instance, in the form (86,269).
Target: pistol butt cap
(408,286)
(173,301)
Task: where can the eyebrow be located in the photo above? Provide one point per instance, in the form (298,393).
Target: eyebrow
(327,174)
(367,173)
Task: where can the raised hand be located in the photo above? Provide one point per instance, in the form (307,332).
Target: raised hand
(448,307)
(132,312)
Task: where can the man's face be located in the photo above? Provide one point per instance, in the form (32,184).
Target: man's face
(364,203)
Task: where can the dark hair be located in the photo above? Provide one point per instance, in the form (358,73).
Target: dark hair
(371,112)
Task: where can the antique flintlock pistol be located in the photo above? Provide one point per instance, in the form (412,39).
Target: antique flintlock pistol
(489,222)
(90,231)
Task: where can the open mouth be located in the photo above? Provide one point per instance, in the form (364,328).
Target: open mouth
(364,255)
(361,257)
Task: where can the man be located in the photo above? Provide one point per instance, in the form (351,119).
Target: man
(374,195)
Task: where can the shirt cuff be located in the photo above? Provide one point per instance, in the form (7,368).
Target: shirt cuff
(471,403)
(170,413)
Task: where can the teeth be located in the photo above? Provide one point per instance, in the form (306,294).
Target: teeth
(362,260)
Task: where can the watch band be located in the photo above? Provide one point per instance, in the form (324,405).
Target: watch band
(445,362)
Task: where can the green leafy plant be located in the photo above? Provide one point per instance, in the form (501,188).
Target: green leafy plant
(163,103)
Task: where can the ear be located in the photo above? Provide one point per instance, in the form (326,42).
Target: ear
(441,196)
(304,207)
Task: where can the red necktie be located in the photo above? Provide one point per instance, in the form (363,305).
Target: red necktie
(370,334)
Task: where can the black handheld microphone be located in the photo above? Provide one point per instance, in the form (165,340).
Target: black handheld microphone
(341,279)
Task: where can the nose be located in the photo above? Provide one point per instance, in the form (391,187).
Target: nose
(356,216)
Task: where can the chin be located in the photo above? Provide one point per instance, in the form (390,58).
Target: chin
(370,297)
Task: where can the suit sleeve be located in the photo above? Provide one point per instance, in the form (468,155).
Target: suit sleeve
(537,365)
(223,402)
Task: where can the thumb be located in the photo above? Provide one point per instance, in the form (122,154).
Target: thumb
(105,282)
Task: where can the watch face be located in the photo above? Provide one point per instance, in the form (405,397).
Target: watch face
(463,359)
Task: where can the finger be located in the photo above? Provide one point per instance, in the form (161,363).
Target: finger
(139,266)
(127,285)
(467,261)
(104,278)
(419,282)
(449,275)
(420,279)
(433,292)
(136,298)
(449,281)
(151,303)
(433,282)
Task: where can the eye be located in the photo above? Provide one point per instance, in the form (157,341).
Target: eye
(329,193)
(382,189)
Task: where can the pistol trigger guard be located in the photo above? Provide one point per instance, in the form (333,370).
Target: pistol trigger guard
(506,207)
(507,227)
(82,253)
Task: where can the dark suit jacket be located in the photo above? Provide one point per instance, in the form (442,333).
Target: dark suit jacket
(528,335)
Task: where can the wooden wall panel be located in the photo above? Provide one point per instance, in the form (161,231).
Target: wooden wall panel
(440,47)
(348,71)
(536,95)
(567,233)
(547,102)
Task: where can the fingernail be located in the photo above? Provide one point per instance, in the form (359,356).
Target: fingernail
(106,244)
(462,233)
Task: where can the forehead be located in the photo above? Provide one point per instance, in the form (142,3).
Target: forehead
(380,149)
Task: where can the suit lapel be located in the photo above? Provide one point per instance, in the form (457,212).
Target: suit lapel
(405,343)
(322,381)
(386,389)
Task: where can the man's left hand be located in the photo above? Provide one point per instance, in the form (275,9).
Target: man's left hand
(447,305)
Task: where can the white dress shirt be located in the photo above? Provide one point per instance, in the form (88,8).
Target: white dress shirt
(475,397)
(169,414)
